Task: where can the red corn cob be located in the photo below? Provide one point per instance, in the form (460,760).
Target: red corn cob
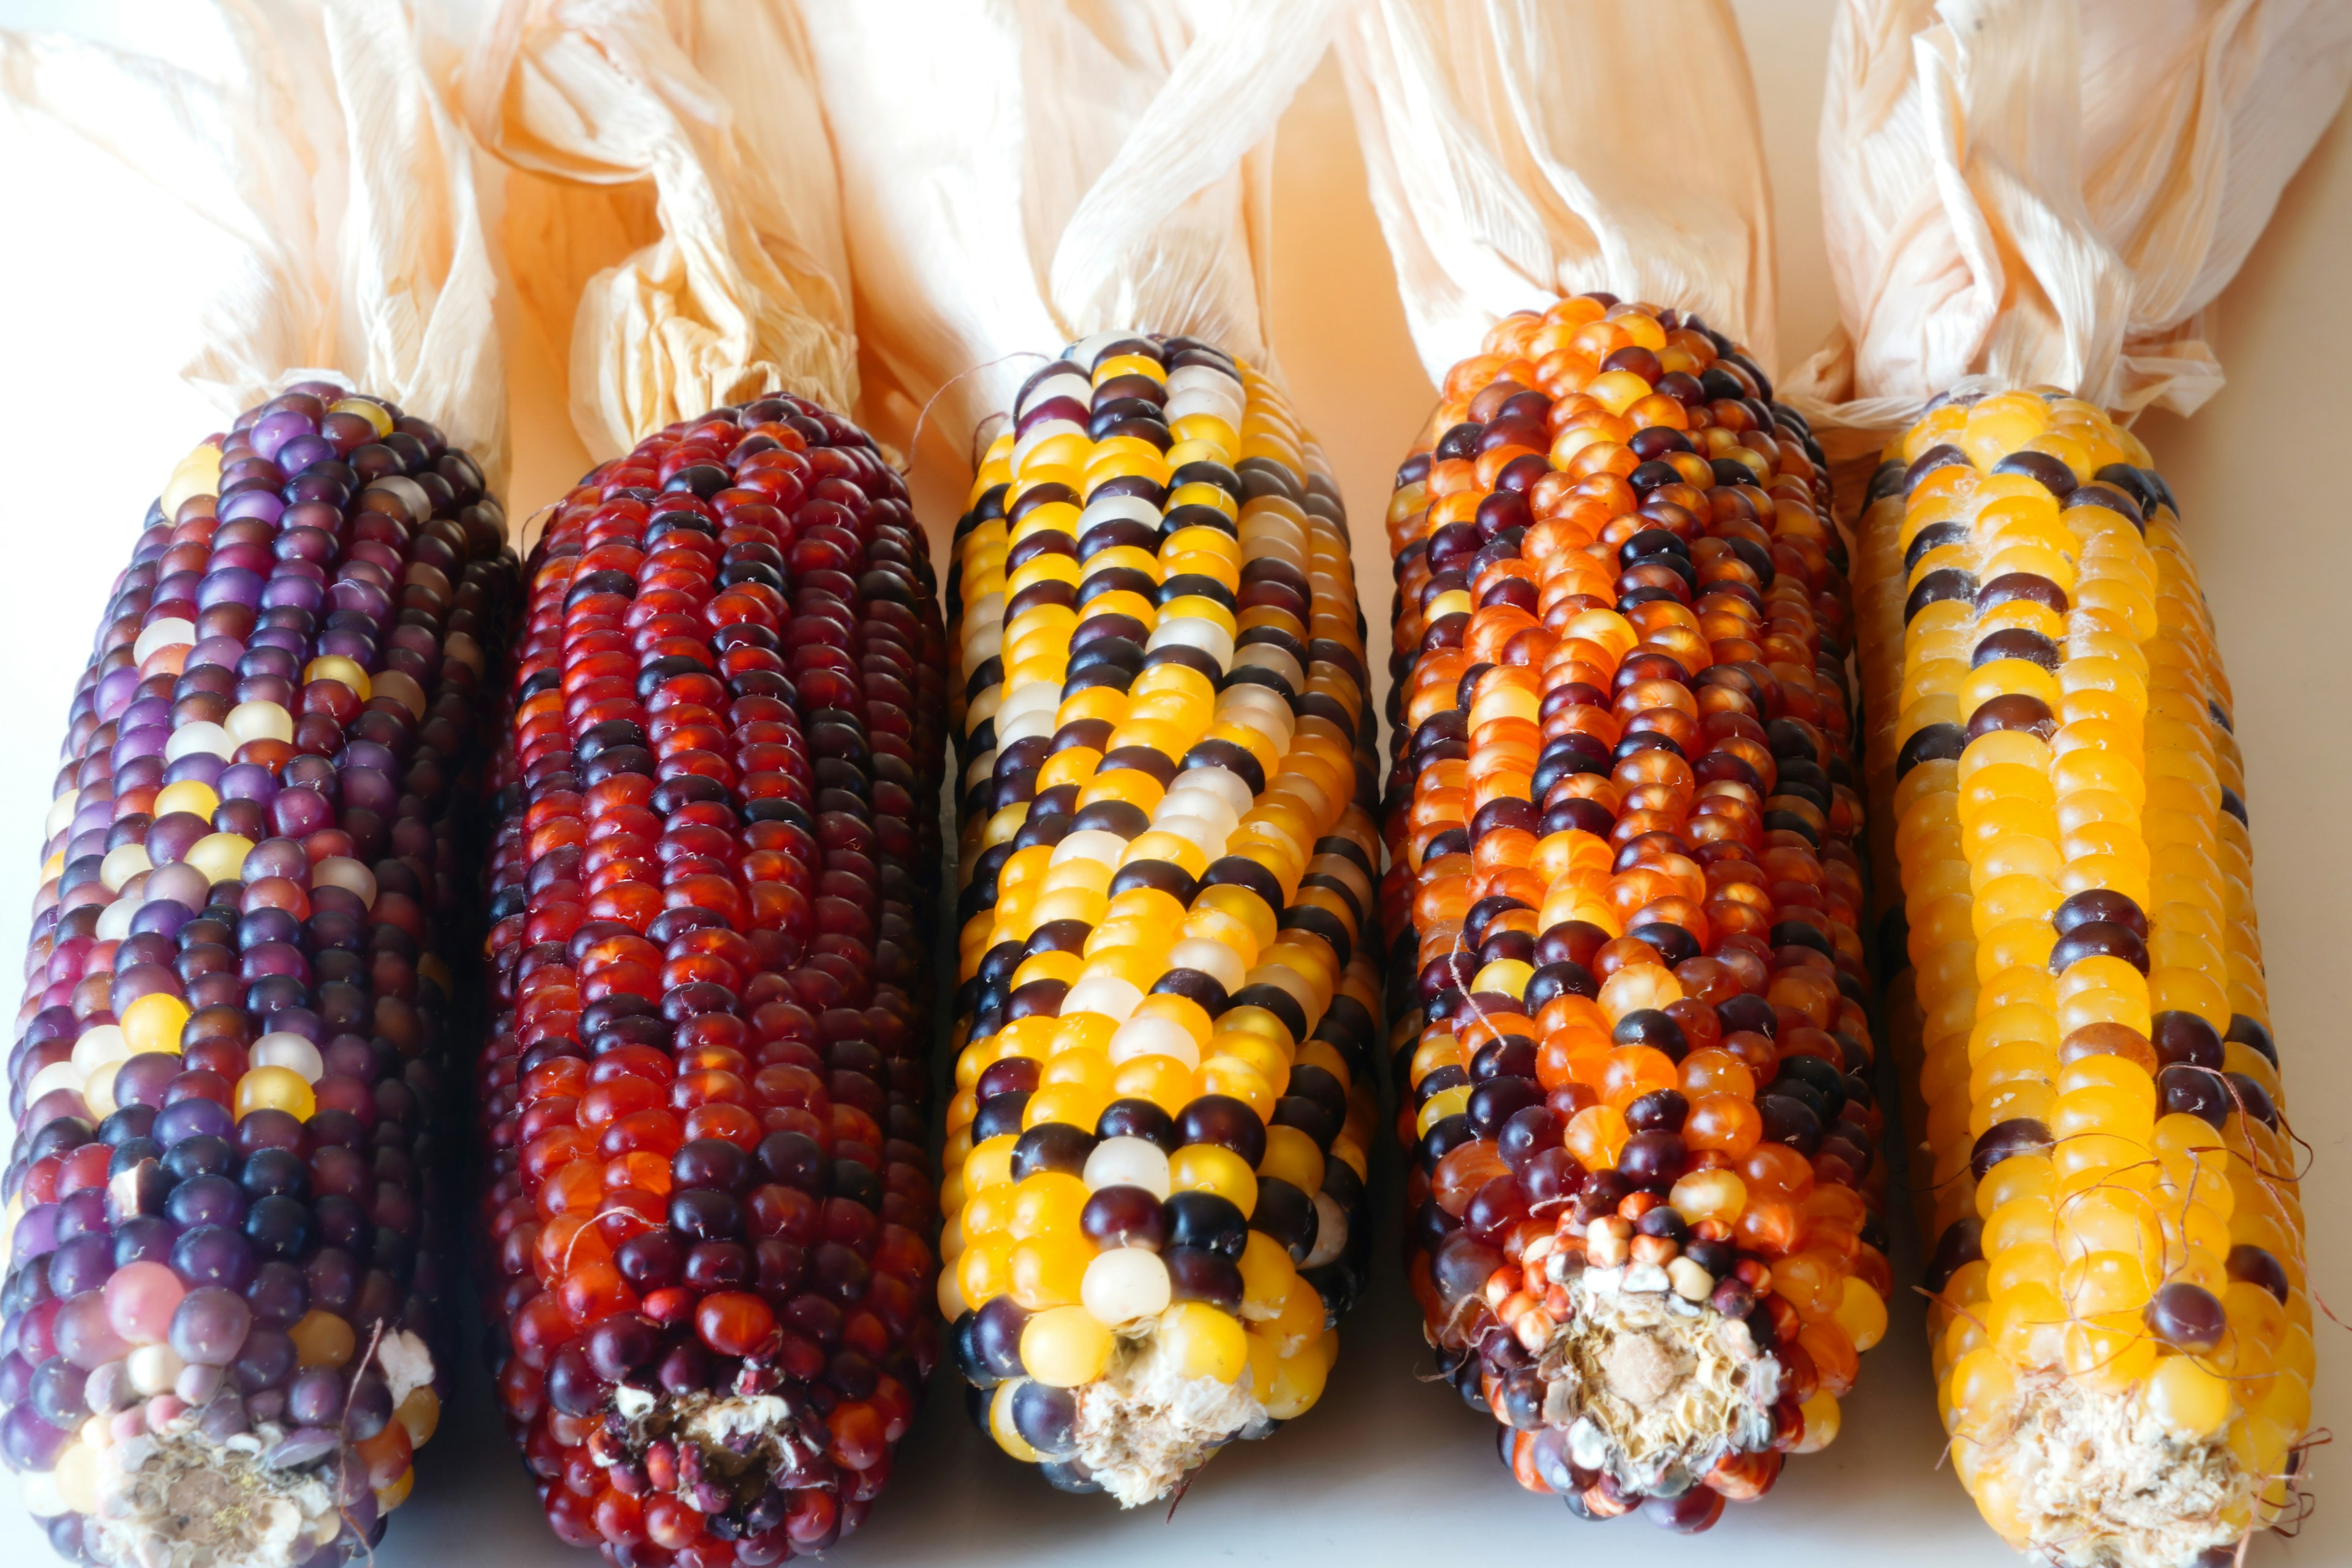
(705,1088)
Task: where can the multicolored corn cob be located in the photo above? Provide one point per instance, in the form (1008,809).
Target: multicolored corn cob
(1633,1066)
(2121,1325)
(705,1087)
(224,1328)
(1157,1148)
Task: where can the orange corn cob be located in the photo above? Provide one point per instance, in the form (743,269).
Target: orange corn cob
(2122,1328)
(1634,1066)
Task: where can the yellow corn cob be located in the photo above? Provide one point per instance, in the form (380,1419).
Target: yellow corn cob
(1157,1148)
(2122,1328)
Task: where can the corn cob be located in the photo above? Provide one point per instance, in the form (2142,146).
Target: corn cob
(703,1089)
(1157,1148)
(2122,1325)
(1631,1056)
(223,1285)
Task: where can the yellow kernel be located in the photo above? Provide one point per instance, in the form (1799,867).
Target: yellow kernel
(154,1023)
(1299,1381)
(2188,1399)
(1213,1168)
(321,1338)
(1065,1346)
(1204,1341)
(1821,1414)
(420,1412)
(275,1088)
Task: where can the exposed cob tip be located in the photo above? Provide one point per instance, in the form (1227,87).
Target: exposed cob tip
(2097,1479)
(1649,1385)
(195,1493)
(1146,1422)
(731,1454)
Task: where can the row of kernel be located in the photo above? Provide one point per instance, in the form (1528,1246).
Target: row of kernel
(2199,850)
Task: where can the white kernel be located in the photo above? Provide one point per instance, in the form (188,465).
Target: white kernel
(100,1044)
(1196,632)
(1128,1162)
(1154,1036)
(1203,400)
(1331,1232)
(1218,782)
(98,1093)
(1030,698)
(1096,844)
(1037,723)
(54,1077)
(172,631)
(123,862)
(1191,800)
(1209,837)
(1112,508)
(154,1369)
(1124,1284)
(1086,351)
(1266,655)
(39,1490)
(1106,995)
(283,1049)
(1214,959)
(261,720)
(1210,377)
(200,736)
(1068,384)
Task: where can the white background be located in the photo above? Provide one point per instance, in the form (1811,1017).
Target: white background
(95,294)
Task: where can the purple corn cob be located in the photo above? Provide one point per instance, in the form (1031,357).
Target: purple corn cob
(220,1330)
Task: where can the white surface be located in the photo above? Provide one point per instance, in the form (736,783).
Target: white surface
(1386,1470)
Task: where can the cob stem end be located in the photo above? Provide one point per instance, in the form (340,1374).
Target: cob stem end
(269,1496)
(1144,1424)
(185,1500)
(724,1454)
(1653,1388)
(2100,1484)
